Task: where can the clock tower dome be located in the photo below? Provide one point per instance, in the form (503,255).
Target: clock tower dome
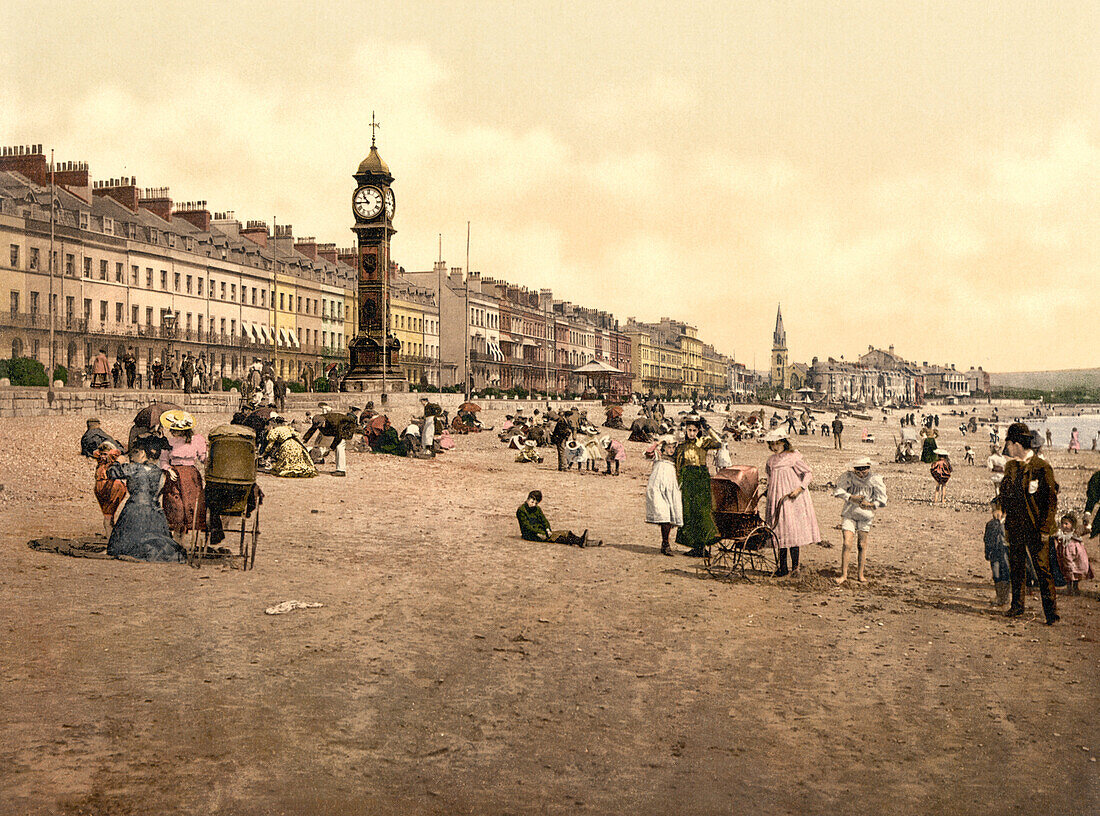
(374,350)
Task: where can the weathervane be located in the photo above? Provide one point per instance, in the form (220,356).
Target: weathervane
(373,128)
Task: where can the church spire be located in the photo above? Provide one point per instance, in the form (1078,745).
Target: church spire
(779,339)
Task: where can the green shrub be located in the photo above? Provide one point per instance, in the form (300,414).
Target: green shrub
(295,387)
(228,383)
(23,371)
(61,373)
(320,384)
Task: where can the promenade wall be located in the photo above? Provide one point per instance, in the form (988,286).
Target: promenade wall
(32,402)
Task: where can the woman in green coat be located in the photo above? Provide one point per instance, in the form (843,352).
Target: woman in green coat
(699,530)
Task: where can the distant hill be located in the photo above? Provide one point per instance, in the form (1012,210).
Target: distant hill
(1053,380)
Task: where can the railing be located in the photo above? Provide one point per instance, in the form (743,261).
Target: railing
(41,320)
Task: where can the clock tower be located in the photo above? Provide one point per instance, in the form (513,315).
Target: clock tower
(374,350)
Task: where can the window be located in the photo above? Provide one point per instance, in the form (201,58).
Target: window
(233,291)
(223,290)
(199,286)
(188,324)
(14,302)
(299,304)
(253,295)
(119,277)
(15,256)
(87,267)
(148,315)
(134,314)
(34,302)
(189,284)
(282,301)
(164,279)
(34,258)
(223,325)
(118,313)
(200,326)
(232,328)
(87,308)
(148,277)
(176,282)
(263,298)
(103,270)
(102,311)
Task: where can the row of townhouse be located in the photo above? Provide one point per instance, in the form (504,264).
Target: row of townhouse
(132,271)
(882,377)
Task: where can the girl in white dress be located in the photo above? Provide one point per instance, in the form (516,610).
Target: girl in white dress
(664,504)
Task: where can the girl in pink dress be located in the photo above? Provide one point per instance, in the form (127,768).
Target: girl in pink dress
(790,511)
(1074,442)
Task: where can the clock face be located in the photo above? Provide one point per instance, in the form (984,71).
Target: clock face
(367,202)
(390,205)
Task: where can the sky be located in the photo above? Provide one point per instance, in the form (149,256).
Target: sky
(917,174)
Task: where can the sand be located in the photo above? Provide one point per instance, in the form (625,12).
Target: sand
(455,668)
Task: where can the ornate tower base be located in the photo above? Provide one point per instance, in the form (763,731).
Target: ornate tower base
(365,372)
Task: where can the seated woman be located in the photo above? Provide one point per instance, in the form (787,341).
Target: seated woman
(184,496)
(289,458)
(108,492)
(141,530)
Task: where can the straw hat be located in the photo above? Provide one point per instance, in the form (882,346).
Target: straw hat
(530,443)
(941,452)
(573,445)
(777,435)
(605,441)
(177,420)
(863,461)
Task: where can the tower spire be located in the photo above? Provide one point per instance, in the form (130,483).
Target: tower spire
(780,336)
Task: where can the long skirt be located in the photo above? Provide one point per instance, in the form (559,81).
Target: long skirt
(928,450)
(180,499)
(108,492)
(699,529)
(141,533)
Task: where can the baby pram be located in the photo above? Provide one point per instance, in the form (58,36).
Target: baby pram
(747,543)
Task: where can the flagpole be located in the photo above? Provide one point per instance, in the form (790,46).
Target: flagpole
(467,386)
(53,197)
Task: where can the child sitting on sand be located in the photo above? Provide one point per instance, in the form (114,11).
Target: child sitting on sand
(996,553)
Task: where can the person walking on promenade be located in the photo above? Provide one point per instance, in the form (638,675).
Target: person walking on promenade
(664,503)
(699,530)
(1074,442)
(863,493)
(1029,496)
(838,429)
(129,362)
(101,370)
(790,510)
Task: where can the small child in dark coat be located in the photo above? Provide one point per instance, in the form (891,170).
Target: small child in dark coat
(996,553)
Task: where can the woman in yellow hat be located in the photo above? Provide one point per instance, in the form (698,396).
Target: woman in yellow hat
(184,500)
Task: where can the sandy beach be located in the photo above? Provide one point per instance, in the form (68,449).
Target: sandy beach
(455,668)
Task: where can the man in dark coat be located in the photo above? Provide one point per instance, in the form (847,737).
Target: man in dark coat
(1029,498)
(333,429)
(560,435)
(129,362)
(94,437)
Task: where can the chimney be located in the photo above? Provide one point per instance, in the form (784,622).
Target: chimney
(195,214)
(226,222)
(74,177)
(328,252)
(256,232)
(157,202)
(284,238)
(348,256)
(123,190)
(307,246)
(28,160)
(891,348)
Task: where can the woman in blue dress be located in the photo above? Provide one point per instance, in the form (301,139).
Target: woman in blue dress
(141,530)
